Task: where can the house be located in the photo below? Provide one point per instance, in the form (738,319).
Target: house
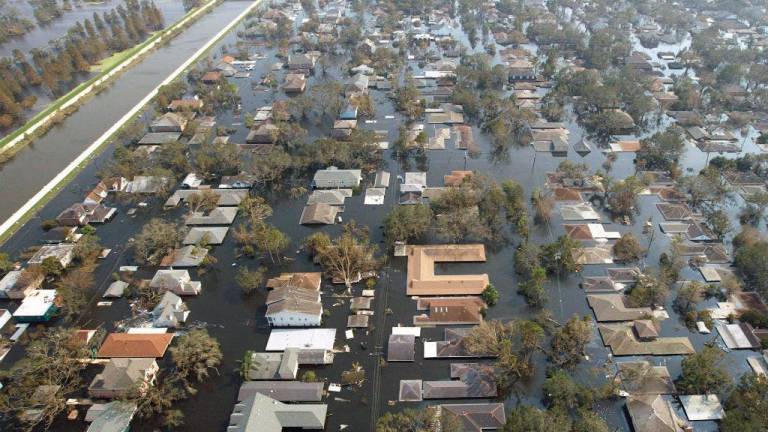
(334,197)
(319,214)
(274,366)
(301,62)
(311,339)
(62,253)
(37,306)
(357,84)
(97,194)
(264,414)
(468,380)
(410,391)
(177,281)
(169,122)
(147,184)
(623,340)
(401,348)
(295,83)
(72,216)
(123,375)
(135,345)
(334,178)
(115,416)
(189,104)
(206,235)
(170,312)
(217,216)
(704,407)
(115,289)
(612,307)
(478,417)
(642,378)
(283,391)
(449,311)
(264,134)
(653,413)
(307,280)
(211,77)
(294,307)
(159,138)
(192,181)
(187,256)
(421,277)
(521,70)
(240,181)
(17,284)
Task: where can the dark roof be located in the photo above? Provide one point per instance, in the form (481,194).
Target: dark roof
(478,417)
(401,347)
(283,391)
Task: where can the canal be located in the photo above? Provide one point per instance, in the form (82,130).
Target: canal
(35,165)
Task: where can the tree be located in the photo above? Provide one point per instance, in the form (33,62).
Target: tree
(568,342)
(490,295)
(688,296)
(622,196)
(746,409)
(156,239)
(662,150)
(421,420)
(6,264)
(218,158)
(87,249)
(533,288)
(558,257)
(543,205)
(407,223)
(512,344)
(527,259)
(195,354)
(751,259)
(203,201)
(353,376)
(346,256)
(525,418)
(561,392)
(53,359)
(250,280)
(650,288)
(627,249)
(73,290)
(309,376)
(719,222)
(52,266)
(702,373)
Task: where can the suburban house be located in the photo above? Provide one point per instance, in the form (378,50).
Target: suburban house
(264,134)
(211,77)
(169,122)
(135,345)
(113,416)
(319,214)
(170,311)
(521,70)
(294,307)
(189,104)
(449,311)
(307,280)
(176,281)
(295,83)
(301,62)
(264,414)
(63,253)
(122,375)
(37,306)
(17,284)
(74,215)
(283,391)
(478,417)
(334,178)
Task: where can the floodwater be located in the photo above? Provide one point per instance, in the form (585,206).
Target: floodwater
(40,36)
(238,322)
(35,165)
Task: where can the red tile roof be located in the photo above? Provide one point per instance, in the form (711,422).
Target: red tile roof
(124,345)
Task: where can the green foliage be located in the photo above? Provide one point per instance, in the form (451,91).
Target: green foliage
(751,260)
(558,257)
(309,376)
(194,354)
(527,259)
(525,418)
(702,373)
(651,288)
(627,249)
(51,266)
(561,392)
(533,288)
(490,295)
(156,239)
(662,150)
(6,264)
(568,342)
(746,409)
(249,280)
(407,223)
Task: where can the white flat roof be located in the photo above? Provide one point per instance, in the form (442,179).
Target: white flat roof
(702,407)
(147,330)
(416,331)
(430,350)
(36,303)
(280,339)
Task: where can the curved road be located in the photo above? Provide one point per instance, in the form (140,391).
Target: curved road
(38,163)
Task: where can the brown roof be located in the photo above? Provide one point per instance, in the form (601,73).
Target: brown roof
(478,417)
(421,270)
(455,178)
(622,340)
(124,345)
(306,280)
(566,194)
(652,413)
(611,307)
(578,231)
(447,310)
(640,377)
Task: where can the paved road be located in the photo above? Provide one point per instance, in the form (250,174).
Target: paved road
(34,166)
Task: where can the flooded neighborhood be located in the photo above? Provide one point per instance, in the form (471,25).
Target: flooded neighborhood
(384,215)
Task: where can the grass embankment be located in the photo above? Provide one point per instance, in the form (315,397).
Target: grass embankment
(104,68)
